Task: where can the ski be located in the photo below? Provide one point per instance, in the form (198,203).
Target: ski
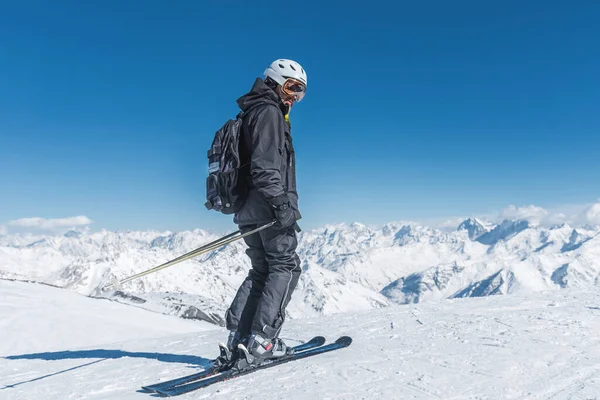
(212,370)
(341,343)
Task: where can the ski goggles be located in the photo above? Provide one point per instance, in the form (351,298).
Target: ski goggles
(293,87)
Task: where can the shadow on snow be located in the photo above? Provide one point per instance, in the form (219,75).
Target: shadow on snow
(103,355)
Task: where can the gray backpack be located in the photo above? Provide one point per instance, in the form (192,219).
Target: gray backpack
(226,185)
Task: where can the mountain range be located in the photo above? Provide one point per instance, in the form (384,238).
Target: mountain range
(345,267)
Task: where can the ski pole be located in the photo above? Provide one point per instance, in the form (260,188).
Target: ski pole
(232,237)
(201,248)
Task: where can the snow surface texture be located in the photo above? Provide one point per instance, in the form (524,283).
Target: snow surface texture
(56,345)
(345,267)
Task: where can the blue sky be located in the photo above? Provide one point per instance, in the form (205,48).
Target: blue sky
(414,110)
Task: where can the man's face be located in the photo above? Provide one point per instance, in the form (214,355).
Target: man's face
(287,100)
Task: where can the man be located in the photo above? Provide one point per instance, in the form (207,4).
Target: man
(257,312)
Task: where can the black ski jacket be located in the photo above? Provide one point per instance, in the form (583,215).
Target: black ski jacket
(267,142)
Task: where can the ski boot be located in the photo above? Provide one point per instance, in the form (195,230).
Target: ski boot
(260,349)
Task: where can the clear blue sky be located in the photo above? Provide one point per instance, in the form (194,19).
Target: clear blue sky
(414,109)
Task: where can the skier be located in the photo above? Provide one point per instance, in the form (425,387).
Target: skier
(257,312)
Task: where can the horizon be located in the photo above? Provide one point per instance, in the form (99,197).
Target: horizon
(425,112)
(576,216)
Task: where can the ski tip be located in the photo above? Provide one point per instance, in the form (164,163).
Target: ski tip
(344,341)
(317,341)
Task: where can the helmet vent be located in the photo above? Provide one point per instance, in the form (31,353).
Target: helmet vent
(281,66)
(292,67)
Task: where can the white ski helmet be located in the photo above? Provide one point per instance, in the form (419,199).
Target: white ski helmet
(280,70)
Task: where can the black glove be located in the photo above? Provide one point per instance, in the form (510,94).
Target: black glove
(285,215)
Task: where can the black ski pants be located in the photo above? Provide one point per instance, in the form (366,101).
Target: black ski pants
(259,305)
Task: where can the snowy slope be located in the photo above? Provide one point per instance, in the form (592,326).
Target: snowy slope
(345,267)
(526,346)
(35,317)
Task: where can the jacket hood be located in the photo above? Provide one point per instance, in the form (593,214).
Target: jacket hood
(260,93)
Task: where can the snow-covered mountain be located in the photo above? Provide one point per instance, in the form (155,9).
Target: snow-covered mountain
(474,228)
(345,267)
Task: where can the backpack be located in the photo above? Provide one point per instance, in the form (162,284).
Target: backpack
(226,185)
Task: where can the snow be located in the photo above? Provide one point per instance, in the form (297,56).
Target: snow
(56,344)
(45,318)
